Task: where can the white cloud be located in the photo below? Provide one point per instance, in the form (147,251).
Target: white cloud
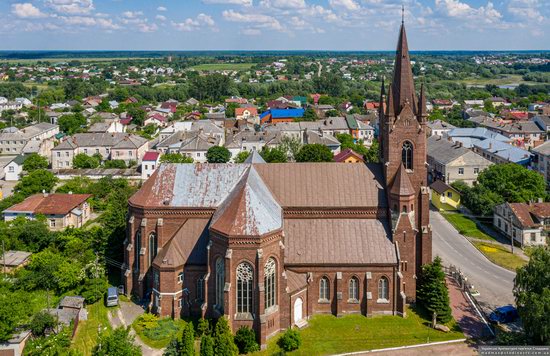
(284,4)
(251,32)
(202,20)
(144,27)
(525,10)
(229,2)
(350,5)
(132,14)
(87,21)
(161,18)
(71,6)
(26,10)
(162,8)
(260,20)
(474,17)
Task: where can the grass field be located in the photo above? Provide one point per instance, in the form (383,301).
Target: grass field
(327,334)
(500,255)
(466,226)
(87,332)
(62,60)
(160,336)
(503,80)
(223,66)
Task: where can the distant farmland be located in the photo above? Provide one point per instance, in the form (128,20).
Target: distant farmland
(211,67)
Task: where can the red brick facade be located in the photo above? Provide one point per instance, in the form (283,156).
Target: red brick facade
(211,240)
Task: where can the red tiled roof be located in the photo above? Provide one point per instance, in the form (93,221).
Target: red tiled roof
(342,156)
(240,111)
(151,156)
(50,204)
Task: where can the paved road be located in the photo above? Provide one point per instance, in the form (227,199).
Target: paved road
(493,282)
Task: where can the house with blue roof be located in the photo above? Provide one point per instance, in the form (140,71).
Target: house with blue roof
(274,116)
(501,152)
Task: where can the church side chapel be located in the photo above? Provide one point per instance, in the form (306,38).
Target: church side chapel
(270,245)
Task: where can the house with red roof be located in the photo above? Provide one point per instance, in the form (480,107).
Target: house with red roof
(61,210)
(149,164)
(349,156)
(156,119)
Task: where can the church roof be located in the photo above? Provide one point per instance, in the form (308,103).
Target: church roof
(292,185)
(402,185)
(338,241)
(254,157)
(403,84)
(187,246)
(249,210)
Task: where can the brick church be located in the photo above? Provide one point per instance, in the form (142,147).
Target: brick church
(270,245)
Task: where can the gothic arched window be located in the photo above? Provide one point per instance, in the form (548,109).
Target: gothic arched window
(245,279)
(200,288)
(270,271)
(324,289)
(353,289)
(220,282)
(137,249)
(383,288)
(407,155)
(153,246)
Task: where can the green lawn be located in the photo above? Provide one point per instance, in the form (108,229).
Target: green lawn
(87,332)
(466,226)
(223,66)
(327,334)
(161,336)
(500,255)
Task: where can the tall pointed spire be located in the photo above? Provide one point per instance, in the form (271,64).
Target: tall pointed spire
(382,98)
(403,84)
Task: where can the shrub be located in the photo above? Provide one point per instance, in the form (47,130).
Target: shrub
(164,329)
(245,339)
(41,322)
(224,344)
(148,321)
(207,346)
(290,341)
(203,327)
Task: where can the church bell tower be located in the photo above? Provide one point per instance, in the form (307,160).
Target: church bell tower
(403,155)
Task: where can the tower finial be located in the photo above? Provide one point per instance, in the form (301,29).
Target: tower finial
(402,14)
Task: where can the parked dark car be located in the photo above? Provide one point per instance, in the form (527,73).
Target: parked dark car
(503,315)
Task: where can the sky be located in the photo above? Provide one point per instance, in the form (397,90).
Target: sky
(273,24)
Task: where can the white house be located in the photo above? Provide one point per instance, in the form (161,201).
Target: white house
(12,171)
(149,164)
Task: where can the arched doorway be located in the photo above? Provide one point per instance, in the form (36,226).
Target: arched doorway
(298,310)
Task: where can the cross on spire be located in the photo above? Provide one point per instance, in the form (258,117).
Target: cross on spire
(402,14)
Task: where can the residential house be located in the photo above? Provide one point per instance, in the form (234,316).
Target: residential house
(108,126)
(16,344)
(281,115)
(450,161)
(192,102)
(526,223)
(13,140)
(541,160)
(543,121)
(320,137)
(500,152)
(248,140)
(349,156)
(498,102)
(194,144)
(247,113)
(61,210)
(110,146)
(360,130)
(443,104)
(525,134)
(439,127)
(156,119)
(149,164)
(444,197)
(12,171)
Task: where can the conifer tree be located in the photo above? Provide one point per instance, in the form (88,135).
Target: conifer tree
(223,339)
(432,291)
(207,346)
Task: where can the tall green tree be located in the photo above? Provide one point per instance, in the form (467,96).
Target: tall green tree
(72,123)
(119,342)
(186,341)
(175,158)
(432,291)
(241,156)
(314,153)
(36,182)
(532,292)
(207,346)
(274,155)
(34,162)
(218,154)
(83,161)
(223,339)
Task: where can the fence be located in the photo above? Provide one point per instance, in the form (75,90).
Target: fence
(468,289)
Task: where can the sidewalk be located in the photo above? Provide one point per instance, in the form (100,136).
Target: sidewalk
(464,313)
